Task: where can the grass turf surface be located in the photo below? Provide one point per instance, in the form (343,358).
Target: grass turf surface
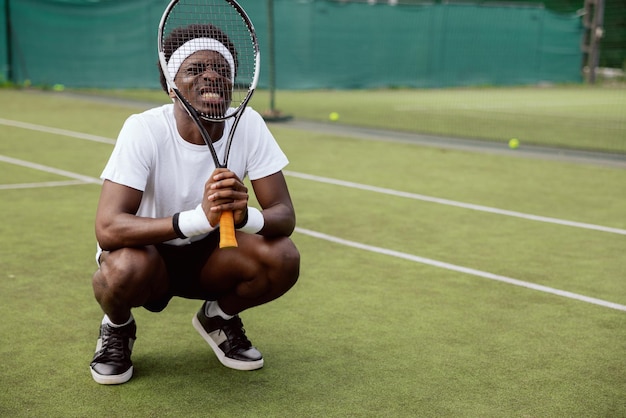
(361,334)
(577,117)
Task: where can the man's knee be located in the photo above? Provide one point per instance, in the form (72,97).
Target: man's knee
(287,261)
(124,271)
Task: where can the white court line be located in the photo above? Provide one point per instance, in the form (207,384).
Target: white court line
(455,203)
(415,196)
(392,192)
(35,166)
(39,185)
(49,130)
(370,248)
(462,269)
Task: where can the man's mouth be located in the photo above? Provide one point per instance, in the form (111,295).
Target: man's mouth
(207,95)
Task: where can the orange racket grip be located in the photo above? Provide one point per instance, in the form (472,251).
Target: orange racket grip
(227,230)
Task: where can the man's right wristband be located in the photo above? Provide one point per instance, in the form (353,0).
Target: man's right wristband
(190,223)
(179,233)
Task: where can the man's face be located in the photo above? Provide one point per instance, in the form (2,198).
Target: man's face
(205,80)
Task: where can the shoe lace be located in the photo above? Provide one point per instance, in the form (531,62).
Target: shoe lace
(114,345)
(236,334)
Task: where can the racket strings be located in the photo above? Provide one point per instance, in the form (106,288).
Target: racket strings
(218,20)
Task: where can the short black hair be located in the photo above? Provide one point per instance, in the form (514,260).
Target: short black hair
(179,36)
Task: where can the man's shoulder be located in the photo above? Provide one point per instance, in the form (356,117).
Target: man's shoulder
(251,115)
(163,112)
(148,126)
(251,120)
(152,120)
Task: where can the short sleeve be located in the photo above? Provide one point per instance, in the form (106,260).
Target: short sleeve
(266,157)
(131,160)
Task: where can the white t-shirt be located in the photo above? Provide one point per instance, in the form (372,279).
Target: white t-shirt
(152,157)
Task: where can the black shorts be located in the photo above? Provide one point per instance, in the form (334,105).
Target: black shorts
(184,264)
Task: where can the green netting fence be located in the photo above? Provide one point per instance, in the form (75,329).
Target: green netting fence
(318,43)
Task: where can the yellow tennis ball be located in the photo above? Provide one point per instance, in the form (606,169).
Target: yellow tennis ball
(513,143)
(333,116)
(58,87)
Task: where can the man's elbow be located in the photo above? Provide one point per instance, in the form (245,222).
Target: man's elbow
(107,240)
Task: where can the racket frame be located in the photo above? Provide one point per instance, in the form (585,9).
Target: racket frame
(227,228)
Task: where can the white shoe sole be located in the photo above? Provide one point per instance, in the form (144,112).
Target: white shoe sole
(112,380)
(228,362)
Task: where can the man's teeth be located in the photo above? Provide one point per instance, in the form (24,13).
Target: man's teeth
(210,95)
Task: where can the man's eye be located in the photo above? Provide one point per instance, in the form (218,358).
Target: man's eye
(195,69)
(223,71)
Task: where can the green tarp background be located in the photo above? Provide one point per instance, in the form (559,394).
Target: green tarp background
(319,44)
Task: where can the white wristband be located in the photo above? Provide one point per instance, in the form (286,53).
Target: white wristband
(255,222)
(192,222)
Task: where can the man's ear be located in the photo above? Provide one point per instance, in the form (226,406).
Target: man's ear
(171,94)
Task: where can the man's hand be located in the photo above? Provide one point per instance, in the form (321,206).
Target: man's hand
(224,191)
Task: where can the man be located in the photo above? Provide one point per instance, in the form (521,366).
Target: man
(160,206)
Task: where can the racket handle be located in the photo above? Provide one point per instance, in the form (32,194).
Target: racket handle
(227,230)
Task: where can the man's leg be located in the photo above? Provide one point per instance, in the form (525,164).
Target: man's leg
(258,271)
(127,278)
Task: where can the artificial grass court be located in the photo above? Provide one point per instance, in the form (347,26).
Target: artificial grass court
(579,117)
(399,310)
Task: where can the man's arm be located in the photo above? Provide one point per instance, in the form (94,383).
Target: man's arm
(117,226)
(272,194)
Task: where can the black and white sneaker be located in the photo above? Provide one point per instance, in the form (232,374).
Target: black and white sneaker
(111,365)
(228,340)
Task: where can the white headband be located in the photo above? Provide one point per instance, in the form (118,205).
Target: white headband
(195,45)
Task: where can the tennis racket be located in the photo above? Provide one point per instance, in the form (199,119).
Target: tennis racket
(222,27)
